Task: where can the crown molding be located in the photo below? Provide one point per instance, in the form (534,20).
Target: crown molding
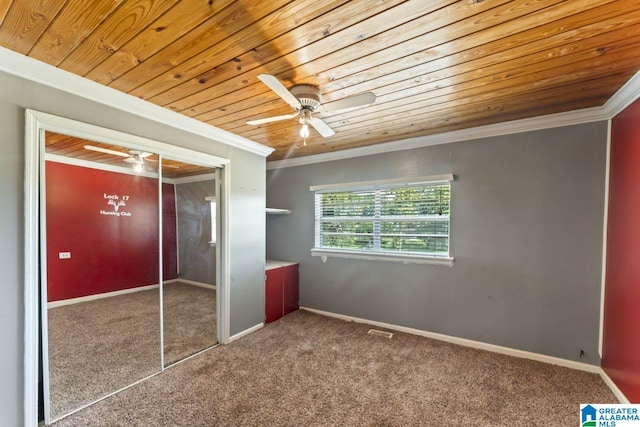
(487,131)
(39,72)
(30,69)
(195,178)
(619,101)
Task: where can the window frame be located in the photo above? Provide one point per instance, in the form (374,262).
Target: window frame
(213,208)
(379,255)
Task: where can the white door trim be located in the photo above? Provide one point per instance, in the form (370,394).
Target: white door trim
(36,123)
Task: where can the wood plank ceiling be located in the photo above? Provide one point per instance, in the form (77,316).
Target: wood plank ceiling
(435,66)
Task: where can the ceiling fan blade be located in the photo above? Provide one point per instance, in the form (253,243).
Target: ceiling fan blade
(275,85)
(106,150)
(141,154)
(360,100)
(322,128)
(272,119)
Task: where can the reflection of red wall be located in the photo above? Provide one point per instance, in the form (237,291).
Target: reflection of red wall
(108,252)
(621,345)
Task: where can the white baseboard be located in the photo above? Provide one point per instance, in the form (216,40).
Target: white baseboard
(194,283)
(467,343)
(614,388)
(70,301)
(246,332)
(99,296)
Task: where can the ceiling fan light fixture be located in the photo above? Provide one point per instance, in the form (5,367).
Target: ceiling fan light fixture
(305,100)
(134,157)
(305,118)
(138,168)
(304,131)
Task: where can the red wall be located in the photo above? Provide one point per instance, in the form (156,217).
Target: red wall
(621,338)
(108,252)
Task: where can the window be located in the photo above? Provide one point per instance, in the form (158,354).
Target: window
(387,219)
(212,205)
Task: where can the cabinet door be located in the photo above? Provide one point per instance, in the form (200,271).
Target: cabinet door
(291,288)
(273,295)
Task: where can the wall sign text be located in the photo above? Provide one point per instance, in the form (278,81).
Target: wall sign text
(115,202)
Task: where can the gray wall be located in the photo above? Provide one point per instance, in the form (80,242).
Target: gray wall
(196,257)
(246,229)
(526,234)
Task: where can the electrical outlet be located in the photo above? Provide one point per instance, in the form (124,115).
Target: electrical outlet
(64,255)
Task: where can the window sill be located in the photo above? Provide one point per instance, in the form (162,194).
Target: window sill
(274,211)
(382,256)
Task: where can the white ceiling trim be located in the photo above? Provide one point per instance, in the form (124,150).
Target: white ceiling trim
(195,178)
(28,68)
(619,101)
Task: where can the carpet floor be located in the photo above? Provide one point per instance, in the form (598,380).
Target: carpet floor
(189,320)
(307,369)
(98,347)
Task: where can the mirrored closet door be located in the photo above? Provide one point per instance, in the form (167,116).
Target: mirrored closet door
(126,259)
(130,271)
(189,298)
(102,299)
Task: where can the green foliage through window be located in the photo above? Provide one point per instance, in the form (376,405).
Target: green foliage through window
(396,219)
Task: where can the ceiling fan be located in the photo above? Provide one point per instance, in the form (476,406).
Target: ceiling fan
(135,157)
(305,100)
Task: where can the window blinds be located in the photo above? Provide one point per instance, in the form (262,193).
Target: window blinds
(397,219)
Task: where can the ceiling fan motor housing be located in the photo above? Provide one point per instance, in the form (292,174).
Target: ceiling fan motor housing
(308,95)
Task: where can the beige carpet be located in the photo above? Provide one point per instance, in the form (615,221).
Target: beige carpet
(189,320)
(310,370)
(97,347)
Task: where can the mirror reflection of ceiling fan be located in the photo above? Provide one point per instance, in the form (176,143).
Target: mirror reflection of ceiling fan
(305,100)
(135,157)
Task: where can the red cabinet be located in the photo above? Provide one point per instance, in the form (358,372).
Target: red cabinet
(273,294)
(290,291)
(281,289)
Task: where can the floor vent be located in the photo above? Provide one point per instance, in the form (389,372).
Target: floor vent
(380,333)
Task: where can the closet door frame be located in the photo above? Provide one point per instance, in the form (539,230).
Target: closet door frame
(36,124)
